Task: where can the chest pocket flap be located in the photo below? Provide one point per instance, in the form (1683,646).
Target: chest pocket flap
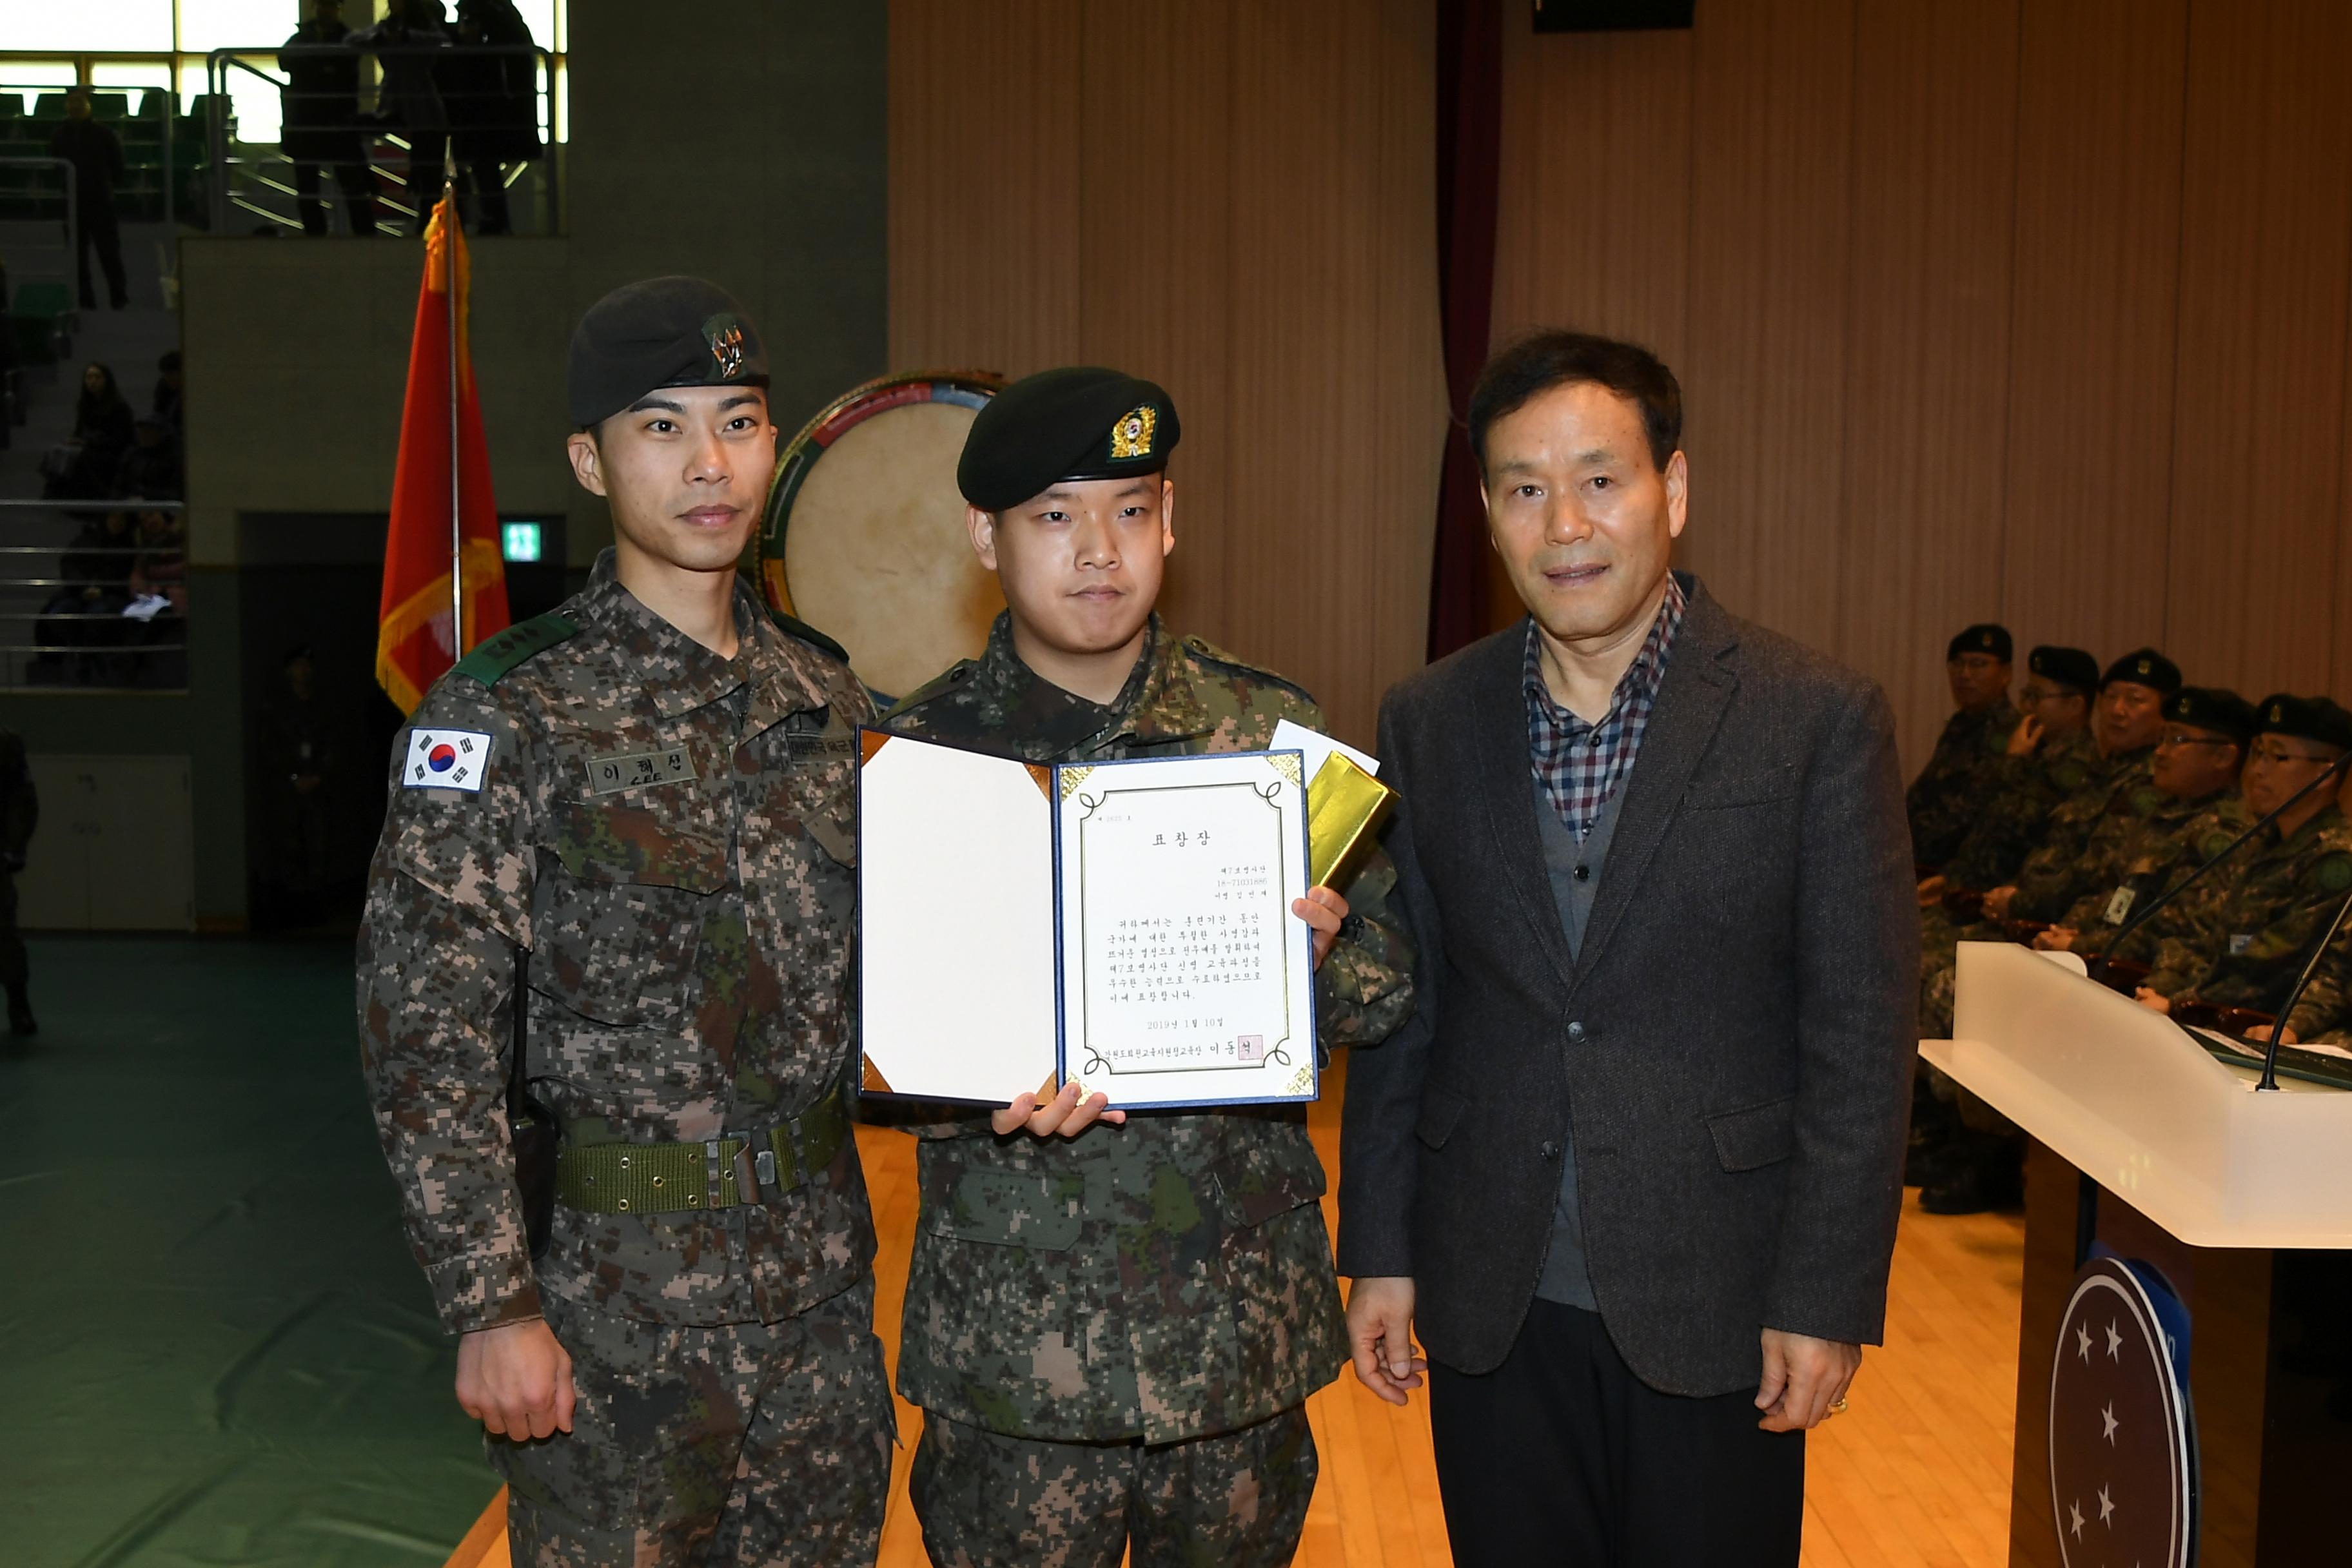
(633,844)
(1273,1170)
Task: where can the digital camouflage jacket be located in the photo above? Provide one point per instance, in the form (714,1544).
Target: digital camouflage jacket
(1950,791)
(669,838)
(1172,1278)
(2020,795)
(2242,936)
(2130,858)
(2089,840)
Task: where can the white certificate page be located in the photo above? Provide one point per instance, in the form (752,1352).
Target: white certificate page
(1185,978)
(955,895)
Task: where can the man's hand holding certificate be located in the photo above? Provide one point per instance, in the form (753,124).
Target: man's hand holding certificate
(1125,930)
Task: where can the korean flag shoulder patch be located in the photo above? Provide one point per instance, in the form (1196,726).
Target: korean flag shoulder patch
(445,759)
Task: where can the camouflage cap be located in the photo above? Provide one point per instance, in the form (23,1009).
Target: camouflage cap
(1985,636)
(2305,718)
(2072,668)
(661,331)
(2212,707)
(1080,422)
(2144,667)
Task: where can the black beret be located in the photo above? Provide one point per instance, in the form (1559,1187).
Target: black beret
(2212,707)
(2144,667)
(663,331)
(2069,667)
(2305,718)
(1080,422)
(1985,636)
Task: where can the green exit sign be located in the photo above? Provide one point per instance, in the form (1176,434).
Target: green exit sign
(520,540)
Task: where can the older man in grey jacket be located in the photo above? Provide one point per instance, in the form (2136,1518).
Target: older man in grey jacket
(1632,1169)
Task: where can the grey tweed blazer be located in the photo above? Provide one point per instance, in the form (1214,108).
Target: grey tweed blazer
(1732,1053)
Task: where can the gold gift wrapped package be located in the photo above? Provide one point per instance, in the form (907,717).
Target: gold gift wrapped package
(1345,808)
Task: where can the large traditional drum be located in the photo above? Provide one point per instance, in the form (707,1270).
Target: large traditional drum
(864,536)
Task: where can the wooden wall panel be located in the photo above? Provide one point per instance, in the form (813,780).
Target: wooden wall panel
(1764,378)
(2100,91)
(1235,198)
(1927,335)
(986,241)
(2266,246)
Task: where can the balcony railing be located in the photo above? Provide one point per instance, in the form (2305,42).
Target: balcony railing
(356,156)
(93,595)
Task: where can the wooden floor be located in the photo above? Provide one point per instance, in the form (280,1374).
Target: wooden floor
(1915,1475)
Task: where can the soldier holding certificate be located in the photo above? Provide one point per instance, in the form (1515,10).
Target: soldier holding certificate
(1113,1321)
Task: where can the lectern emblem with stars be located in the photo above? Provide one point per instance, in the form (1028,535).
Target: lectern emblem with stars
(2123,1462)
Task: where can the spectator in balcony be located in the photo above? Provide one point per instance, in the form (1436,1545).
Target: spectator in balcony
(169,382)
(83,467)
(96,155)
(321,107)
(160,569)
(149,471)
(86,612)
(411,97)
(491,85)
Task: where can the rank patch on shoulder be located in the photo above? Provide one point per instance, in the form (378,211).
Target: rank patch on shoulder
(445,759)
(610,775)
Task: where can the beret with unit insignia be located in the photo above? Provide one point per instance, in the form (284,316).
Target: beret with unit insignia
(1080,422)
(2069,667)
(2144,667)
(1985,636)
(2212,707)
(2305,718)
(662,331)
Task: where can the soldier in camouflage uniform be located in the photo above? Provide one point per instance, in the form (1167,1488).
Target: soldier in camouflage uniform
(2049,756)
(1944,799)
(2240,937)
(1979,1163)
(2197,766)
(623,833)
(1113,1332)
(20,808)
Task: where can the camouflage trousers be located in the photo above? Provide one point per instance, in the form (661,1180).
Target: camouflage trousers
(750,1443)
(1939,968)
(1236,1500)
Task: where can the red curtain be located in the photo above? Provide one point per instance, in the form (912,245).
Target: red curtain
(1469,144)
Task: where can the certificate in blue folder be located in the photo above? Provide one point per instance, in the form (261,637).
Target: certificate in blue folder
(1125,925)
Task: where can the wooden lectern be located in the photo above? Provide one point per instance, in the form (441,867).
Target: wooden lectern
(2214,1427)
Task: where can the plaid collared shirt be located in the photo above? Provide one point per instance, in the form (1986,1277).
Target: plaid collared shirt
(1580,765)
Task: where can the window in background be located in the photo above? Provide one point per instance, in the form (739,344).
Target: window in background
(26,80)
(133,74)
(241,24)
(111,26)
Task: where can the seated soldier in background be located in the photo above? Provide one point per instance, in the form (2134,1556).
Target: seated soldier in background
(1979,1163)
(1944,799)
(2198,759)
(2049,756)
(2124,723)
(2240,938)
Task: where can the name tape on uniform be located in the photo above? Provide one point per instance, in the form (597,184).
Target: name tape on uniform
(445,759)
(610,775)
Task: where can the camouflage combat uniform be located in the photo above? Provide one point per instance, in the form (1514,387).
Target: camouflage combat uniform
(2021,793)
(20,808)
(2242,937)
(2098,816)
(666,836)
(1113,1336)
(2133,869)
(1949,792)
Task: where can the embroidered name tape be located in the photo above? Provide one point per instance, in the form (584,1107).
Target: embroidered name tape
(445,759)
(609,775)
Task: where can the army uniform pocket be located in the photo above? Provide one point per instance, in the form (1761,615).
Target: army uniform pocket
(617,928)
(1036,1209)
(1274,1170)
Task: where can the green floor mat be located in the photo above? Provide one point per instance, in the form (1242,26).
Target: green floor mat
(214,1346)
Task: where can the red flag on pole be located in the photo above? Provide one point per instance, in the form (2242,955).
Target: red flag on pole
(445,585)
